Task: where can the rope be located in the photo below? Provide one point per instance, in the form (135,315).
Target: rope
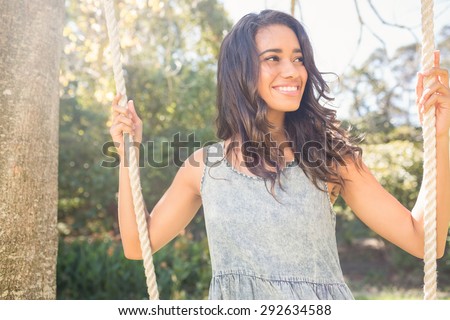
(429,136)
(133,168)
(429,160)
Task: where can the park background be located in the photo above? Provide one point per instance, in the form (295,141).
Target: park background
(170,51)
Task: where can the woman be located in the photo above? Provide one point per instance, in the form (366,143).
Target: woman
(267,187)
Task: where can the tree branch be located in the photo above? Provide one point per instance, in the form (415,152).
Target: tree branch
(396,25)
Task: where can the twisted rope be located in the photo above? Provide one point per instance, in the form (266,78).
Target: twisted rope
(429,161)
(133,166)
(429,136)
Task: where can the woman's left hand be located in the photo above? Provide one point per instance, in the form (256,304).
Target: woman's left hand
(438,95)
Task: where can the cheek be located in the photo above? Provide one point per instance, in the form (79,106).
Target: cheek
(266,77)
(264,81)
(304,74)
(267,72)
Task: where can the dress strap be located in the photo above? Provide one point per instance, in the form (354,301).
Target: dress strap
(214,154)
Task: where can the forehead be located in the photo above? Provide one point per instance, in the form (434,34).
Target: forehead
(276,36)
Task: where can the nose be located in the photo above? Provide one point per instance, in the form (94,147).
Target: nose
(289,69)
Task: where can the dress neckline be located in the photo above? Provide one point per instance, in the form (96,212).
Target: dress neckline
(290,164)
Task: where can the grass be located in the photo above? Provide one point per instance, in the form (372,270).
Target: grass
(393,293)
(375,271)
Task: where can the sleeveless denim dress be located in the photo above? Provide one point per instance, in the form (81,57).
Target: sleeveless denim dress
(268,250)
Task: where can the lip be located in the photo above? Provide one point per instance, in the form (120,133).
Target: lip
(287,89)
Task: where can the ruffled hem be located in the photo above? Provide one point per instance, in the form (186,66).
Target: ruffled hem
(239,286)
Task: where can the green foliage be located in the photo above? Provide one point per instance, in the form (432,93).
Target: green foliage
(444,263)
(396,162)
(184,269)
(380,91)
(86,197)
(397,165)
(97,269)
(170,54)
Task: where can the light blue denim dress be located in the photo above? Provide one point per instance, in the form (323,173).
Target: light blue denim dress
(268,250)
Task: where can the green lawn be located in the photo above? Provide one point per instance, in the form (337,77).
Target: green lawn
(385,293)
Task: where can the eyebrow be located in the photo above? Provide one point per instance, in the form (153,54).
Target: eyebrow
(279,51)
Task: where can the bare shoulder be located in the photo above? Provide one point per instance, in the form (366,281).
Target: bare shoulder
(191,172)
(359,180)
(333,191)
(353,169)
(348,172)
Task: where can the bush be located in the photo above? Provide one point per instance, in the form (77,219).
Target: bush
(97,269)
(397,165)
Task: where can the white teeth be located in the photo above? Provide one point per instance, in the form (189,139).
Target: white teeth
(288,89)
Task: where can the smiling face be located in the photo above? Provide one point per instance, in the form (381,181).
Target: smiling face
(282,75)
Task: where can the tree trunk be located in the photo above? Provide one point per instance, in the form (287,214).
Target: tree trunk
(30,49)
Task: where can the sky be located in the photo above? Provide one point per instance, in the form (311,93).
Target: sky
(334,29)
(333,26)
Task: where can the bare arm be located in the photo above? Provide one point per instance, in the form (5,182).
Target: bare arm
(174,210)
(172,213)
(380,210)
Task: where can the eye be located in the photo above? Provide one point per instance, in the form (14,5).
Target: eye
(299,59)
(272,58)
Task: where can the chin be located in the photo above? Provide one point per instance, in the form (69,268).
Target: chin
(293,109)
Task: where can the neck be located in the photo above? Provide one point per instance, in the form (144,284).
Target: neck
(276,118)
(278,133)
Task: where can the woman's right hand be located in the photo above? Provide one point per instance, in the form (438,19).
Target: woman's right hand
(125,120)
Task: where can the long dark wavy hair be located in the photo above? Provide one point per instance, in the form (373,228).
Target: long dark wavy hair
(319,143)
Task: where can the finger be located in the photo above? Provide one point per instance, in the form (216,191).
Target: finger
(116,99)
(443,78)
(419,87)
(131,108)
(123,128)
(437,56)
(122,119)
(435,70)
(115,120)
(133,113)
(114,104)
(436,87)
(122,101)
(442,74)
(116,131)
(121,110)
(125,120)
(436,62)
(430,103)
(420,112)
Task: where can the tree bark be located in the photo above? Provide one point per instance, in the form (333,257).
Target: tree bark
(30,49)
